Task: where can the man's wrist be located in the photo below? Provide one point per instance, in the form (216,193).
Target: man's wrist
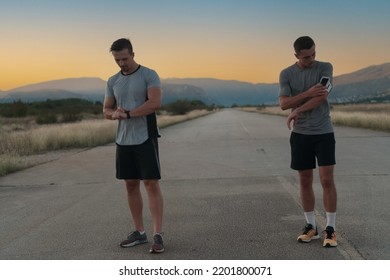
(128,114)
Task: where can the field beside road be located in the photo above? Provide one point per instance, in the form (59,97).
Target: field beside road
(374,116)
(23,143)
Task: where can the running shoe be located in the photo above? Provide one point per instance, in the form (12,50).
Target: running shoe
(309,233)
(330,239)
(134,238)
(158,244)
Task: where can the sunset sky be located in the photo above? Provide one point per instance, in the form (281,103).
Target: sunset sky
(245,40)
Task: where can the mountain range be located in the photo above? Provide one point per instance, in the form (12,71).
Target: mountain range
(370,83)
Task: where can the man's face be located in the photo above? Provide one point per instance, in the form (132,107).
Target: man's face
(307,57)
(124,59)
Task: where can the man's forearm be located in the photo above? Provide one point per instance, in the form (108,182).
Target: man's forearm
(108,113)
(145,109)
(311,104)
(291,102)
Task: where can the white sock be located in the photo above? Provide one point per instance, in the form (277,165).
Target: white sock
(142,232)
(310,218)
(331,219)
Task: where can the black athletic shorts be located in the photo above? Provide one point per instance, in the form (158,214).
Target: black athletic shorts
(305,149)
(138,161)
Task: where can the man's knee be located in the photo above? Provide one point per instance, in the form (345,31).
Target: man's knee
(132,185)
(306,177)
(151,185)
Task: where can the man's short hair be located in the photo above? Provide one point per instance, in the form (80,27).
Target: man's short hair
(303,43)
(121,44)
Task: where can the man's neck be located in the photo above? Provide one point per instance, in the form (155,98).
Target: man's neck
(132,69)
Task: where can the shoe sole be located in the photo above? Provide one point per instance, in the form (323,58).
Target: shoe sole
(308,240)
(135,243)
(328,245)
(154,251)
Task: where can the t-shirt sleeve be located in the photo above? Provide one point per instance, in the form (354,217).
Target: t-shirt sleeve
(152,80)
(284,85)
(109,89)
(328,71)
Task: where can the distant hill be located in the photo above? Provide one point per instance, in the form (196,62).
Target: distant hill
(92,89)
(229,92)
(40,95)
(210,91)
(366,74)
(370,83)
(85,88)
(173,92)
(72,84)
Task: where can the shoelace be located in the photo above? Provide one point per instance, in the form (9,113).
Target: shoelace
(158,239)
(134,234)
(329,234)
(306,229)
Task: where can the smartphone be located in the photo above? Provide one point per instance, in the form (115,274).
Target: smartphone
(325,81)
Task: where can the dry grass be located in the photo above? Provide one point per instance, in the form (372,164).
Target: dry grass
(376,121)
(370,116)
(362,108)
(22,138)
(55,137)
(270,110)
(165,120)
(374,116)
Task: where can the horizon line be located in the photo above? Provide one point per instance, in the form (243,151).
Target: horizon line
(177,78)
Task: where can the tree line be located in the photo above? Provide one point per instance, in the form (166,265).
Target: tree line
(73,109)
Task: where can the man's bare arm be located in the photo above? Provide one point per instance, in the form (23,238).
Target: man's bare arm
(151,105)
(307,106)
(110,111)
(292,102)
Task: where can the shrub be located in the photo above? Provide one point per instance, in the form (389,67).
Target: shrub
(71,116)
(183,106)
(46,118)
(17,109)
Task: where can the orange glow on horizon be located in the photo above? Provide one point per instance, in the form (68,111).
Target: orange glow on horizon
(42,67)
(249,41)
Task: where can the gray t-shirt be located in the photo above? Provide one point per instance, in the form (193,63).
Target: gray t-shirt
(295,80)
(130,91)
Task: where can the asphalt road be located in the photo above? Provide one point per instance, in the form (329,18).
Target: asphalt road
(229,194)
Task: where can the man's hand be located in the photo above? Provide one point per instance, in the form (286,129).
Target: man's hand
(293,117)
(119,114)
(317,90)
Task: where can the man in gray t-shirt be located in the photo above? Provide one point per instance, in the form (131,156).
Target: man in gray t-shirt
(132,97)
(130,92)
(312,137)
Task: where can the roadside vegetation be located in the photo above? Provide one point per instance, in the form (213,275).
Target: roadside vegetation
(371,116)
(42,127)
(375,116)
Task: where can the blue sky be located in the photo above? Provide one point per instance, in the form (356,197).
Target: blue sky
(245,40)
